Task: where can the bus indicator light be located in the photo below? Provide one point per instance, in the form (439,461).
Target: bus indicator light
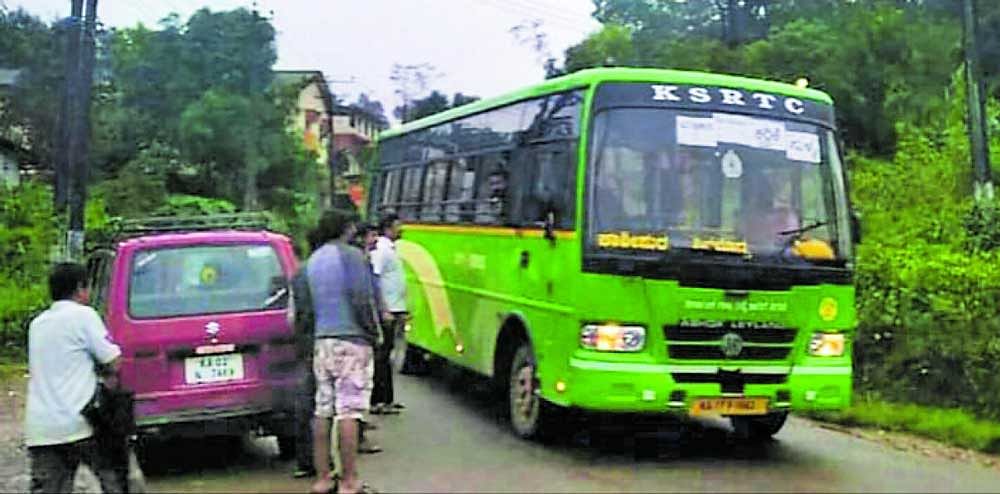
(828,309)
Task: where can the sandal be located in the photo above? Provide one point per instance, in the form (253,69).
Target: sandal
(369,449)
(301,473)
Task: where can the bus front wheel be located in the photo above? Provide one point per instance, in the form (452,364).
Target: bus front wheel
(758,428)
(531,417)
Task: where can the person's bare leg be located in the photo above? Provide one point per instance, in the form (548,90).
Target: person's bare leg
(321,455)
(348,428)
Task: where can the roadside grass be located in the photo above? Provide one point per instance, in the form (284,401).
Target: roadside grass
(950,426)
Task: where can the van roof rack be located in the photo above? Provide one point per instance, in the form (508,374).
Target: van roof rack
(134,227)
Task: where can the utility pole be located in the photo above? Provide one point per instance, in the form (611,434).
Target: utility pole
(978,140)
(79,142)
(66,111)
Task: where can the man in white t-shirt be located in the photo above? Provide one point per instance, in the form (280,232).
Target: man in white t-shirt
(67,346)
(388,267)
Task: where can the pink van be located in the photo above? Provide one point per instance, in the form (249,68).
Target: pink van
(199,311)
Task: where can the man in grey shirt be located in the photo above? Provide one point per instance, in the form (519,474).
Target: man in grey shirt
(345,330)
(66,344)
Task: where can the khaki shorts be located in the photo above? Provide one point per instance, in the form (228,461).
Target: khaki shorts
(344,372)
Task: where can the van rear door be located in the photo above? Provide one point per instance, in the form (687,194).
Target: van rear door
(200,318)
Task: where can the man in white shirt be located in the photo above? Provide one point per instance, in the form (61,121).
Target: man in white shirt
(66,346)
(388,269)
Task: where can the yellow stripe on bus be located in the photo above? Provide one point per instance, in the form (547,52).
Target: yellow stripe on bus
(426,269)
(489,230)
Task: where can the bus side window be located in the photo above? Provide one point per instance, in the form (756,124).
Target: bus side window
(549,185)
(461,186)
(492,191)
(390,192)
(434,187)
(410,196)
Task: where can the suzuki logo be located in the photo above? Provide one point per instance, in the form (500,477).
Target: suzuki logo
(731,345)
(212,329)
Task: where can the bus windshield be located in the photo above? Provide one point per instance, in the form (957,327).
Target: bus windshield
(688,180)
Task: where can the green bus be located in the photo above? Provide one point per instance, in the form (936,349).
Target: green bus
(631,240)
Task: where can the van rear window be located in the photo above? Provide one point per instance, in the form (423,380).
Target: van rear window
(199,280)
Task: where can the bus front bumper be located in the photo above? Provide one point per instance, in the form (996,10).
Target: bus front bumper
(650,388)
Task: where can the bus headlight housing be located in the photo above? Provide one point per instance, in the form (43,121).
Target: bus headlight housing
(613,338)
(827,344)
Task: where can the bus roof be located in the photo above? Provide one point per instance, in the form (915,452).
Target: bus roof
(589,77)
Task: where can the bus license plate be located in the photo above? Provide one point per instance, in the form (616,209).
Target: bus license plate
(729,406)
(213,368)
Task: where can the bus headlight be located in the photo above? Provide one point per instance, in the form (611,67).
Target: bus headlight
(827,344)
(613,338)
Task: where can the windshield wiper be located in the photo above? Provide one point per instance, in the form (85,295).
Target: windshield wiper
(800,231)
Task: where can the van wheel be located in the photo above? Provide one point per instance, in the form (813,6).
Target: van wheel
(286,447)
(531,417)
(756,429)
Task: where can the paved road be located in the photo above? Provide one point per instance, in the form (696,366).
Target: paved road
(452,438)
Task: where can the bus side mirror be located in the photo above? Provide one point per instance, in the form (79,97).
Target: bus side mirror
(855,227)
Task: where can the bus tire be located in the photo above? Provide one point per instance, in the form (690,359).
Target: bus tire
(755,429)
(531,417)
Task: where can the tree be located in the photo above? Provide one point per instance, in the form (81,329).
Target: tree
(411,82)
(373,108)
(883,61)
(530,33)
(460,99)
(610,46)
(140,186)
(231,50)
(435,102)
(901,62)
(189,83)
(240,137)
(31,108)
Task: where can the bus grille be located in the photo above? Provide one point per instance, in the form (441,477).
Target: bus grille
(758,341)
(695,378)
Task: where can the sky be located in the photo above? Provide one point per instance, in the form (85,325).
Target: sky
(356,42)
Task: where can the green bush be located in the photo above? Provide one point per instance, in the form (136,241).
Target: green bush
(930,327)
(187,205)
(982,223)
(27,239)
(928,276)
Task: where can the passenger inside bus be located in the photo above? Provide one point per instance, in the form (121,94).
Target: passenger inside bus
(491,202)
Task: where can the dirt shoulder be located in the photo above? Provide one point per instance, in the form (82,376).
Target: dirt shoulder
(912,443)
(13,455)
(14,470)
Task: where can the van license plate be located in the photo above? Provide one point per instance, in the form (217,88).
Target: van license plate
(729,406)
(213,368)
